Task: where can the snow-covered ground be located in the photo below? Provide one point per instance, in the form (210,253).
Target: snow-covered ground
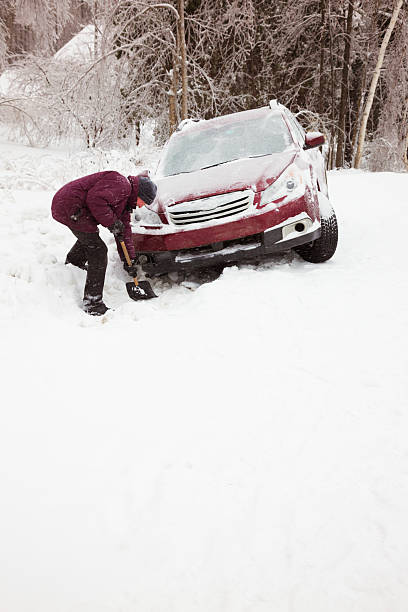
(233,446)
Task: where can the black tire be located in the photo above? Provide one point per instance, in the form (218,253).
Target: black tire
(323,248)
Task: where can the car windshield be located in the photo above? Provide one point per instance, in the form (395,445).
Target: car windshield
(193,150)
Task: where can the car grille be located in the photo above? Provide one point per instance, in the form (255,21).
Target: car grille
(212,208)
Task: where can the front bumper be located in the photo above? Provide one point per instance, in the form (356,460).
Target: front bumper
(283,237)
(173,238)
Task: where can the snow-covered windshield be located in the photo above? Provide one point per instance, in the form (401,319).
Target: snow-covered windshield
(193,149)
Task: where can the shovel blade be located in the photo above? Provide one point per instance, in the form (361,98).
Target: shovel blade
(142,291)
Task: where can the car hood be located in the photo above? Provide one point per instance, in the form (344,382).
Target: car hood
(255,173)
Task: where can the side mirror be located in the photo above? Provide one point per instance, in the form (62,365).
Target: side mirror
(313,140)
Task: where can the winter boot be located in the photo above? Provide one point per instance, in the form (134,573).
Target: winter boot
(95,306)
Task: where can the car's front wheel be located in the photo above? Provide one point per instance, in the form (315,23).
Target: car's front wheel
(323,248)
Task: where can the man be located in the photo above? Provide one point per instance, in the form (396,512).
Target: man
(105,198)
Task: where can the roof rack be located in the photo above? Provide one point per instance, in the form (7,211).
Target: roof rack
(185,123)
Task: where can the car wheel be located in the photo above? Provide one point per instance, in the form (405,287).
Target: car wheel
(324,247)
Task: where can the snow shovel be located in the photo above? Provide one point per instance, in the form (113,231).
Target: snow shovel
(138,290)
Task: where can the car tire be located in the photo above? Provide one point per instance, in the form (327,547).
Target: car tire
(323,248)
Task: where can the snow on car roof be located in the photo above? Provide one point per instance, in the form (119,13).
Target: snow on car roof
(202,124)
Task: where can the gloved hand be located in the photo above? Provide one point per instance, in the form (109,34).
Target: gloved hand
(117,229)
(131,270)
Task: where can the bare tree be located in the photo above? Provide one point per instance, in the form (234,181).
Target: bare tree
(3,45)
(344,85)
(183,58)
(374,81)
(387,150)
(323,37)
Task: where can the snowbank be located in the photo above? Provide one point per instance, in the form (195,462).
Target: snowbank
(232,446)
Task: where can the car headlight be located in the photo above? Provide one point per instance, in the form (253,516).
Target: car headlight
(290,184)
(148,217)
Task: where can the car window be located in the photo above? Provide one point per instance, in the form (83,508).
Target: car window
(193,150)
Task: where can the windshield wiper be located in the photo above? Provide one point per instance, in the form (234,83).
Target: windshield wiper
(176,173)
(219,163)
(259,155)
(204,167)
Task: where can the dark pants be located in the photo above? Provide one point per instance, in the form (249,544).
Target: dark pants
(90,248)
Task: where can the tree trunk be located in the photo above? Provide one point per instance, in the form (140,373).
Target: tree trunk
(332,132)
(183,60)
(173,96)
(376,76)
(95,24)
(344,87)
(405,158)
(405,134)
(322,54)
(359,109)
(173,105)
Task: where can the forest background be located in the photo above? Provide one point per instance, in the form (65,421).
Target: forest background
(340,65)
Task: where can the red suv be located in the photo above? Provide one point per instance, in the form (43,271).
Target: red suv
(238,188)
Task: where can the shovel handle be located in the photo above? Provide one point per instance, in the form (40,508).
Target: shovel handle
(128,261)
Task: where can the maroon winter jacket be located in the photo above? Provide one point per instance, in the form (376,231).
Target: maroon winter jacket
(99,198)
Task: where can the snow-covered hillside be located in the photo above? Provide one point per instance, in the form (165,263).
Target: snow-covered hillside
(233,446)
